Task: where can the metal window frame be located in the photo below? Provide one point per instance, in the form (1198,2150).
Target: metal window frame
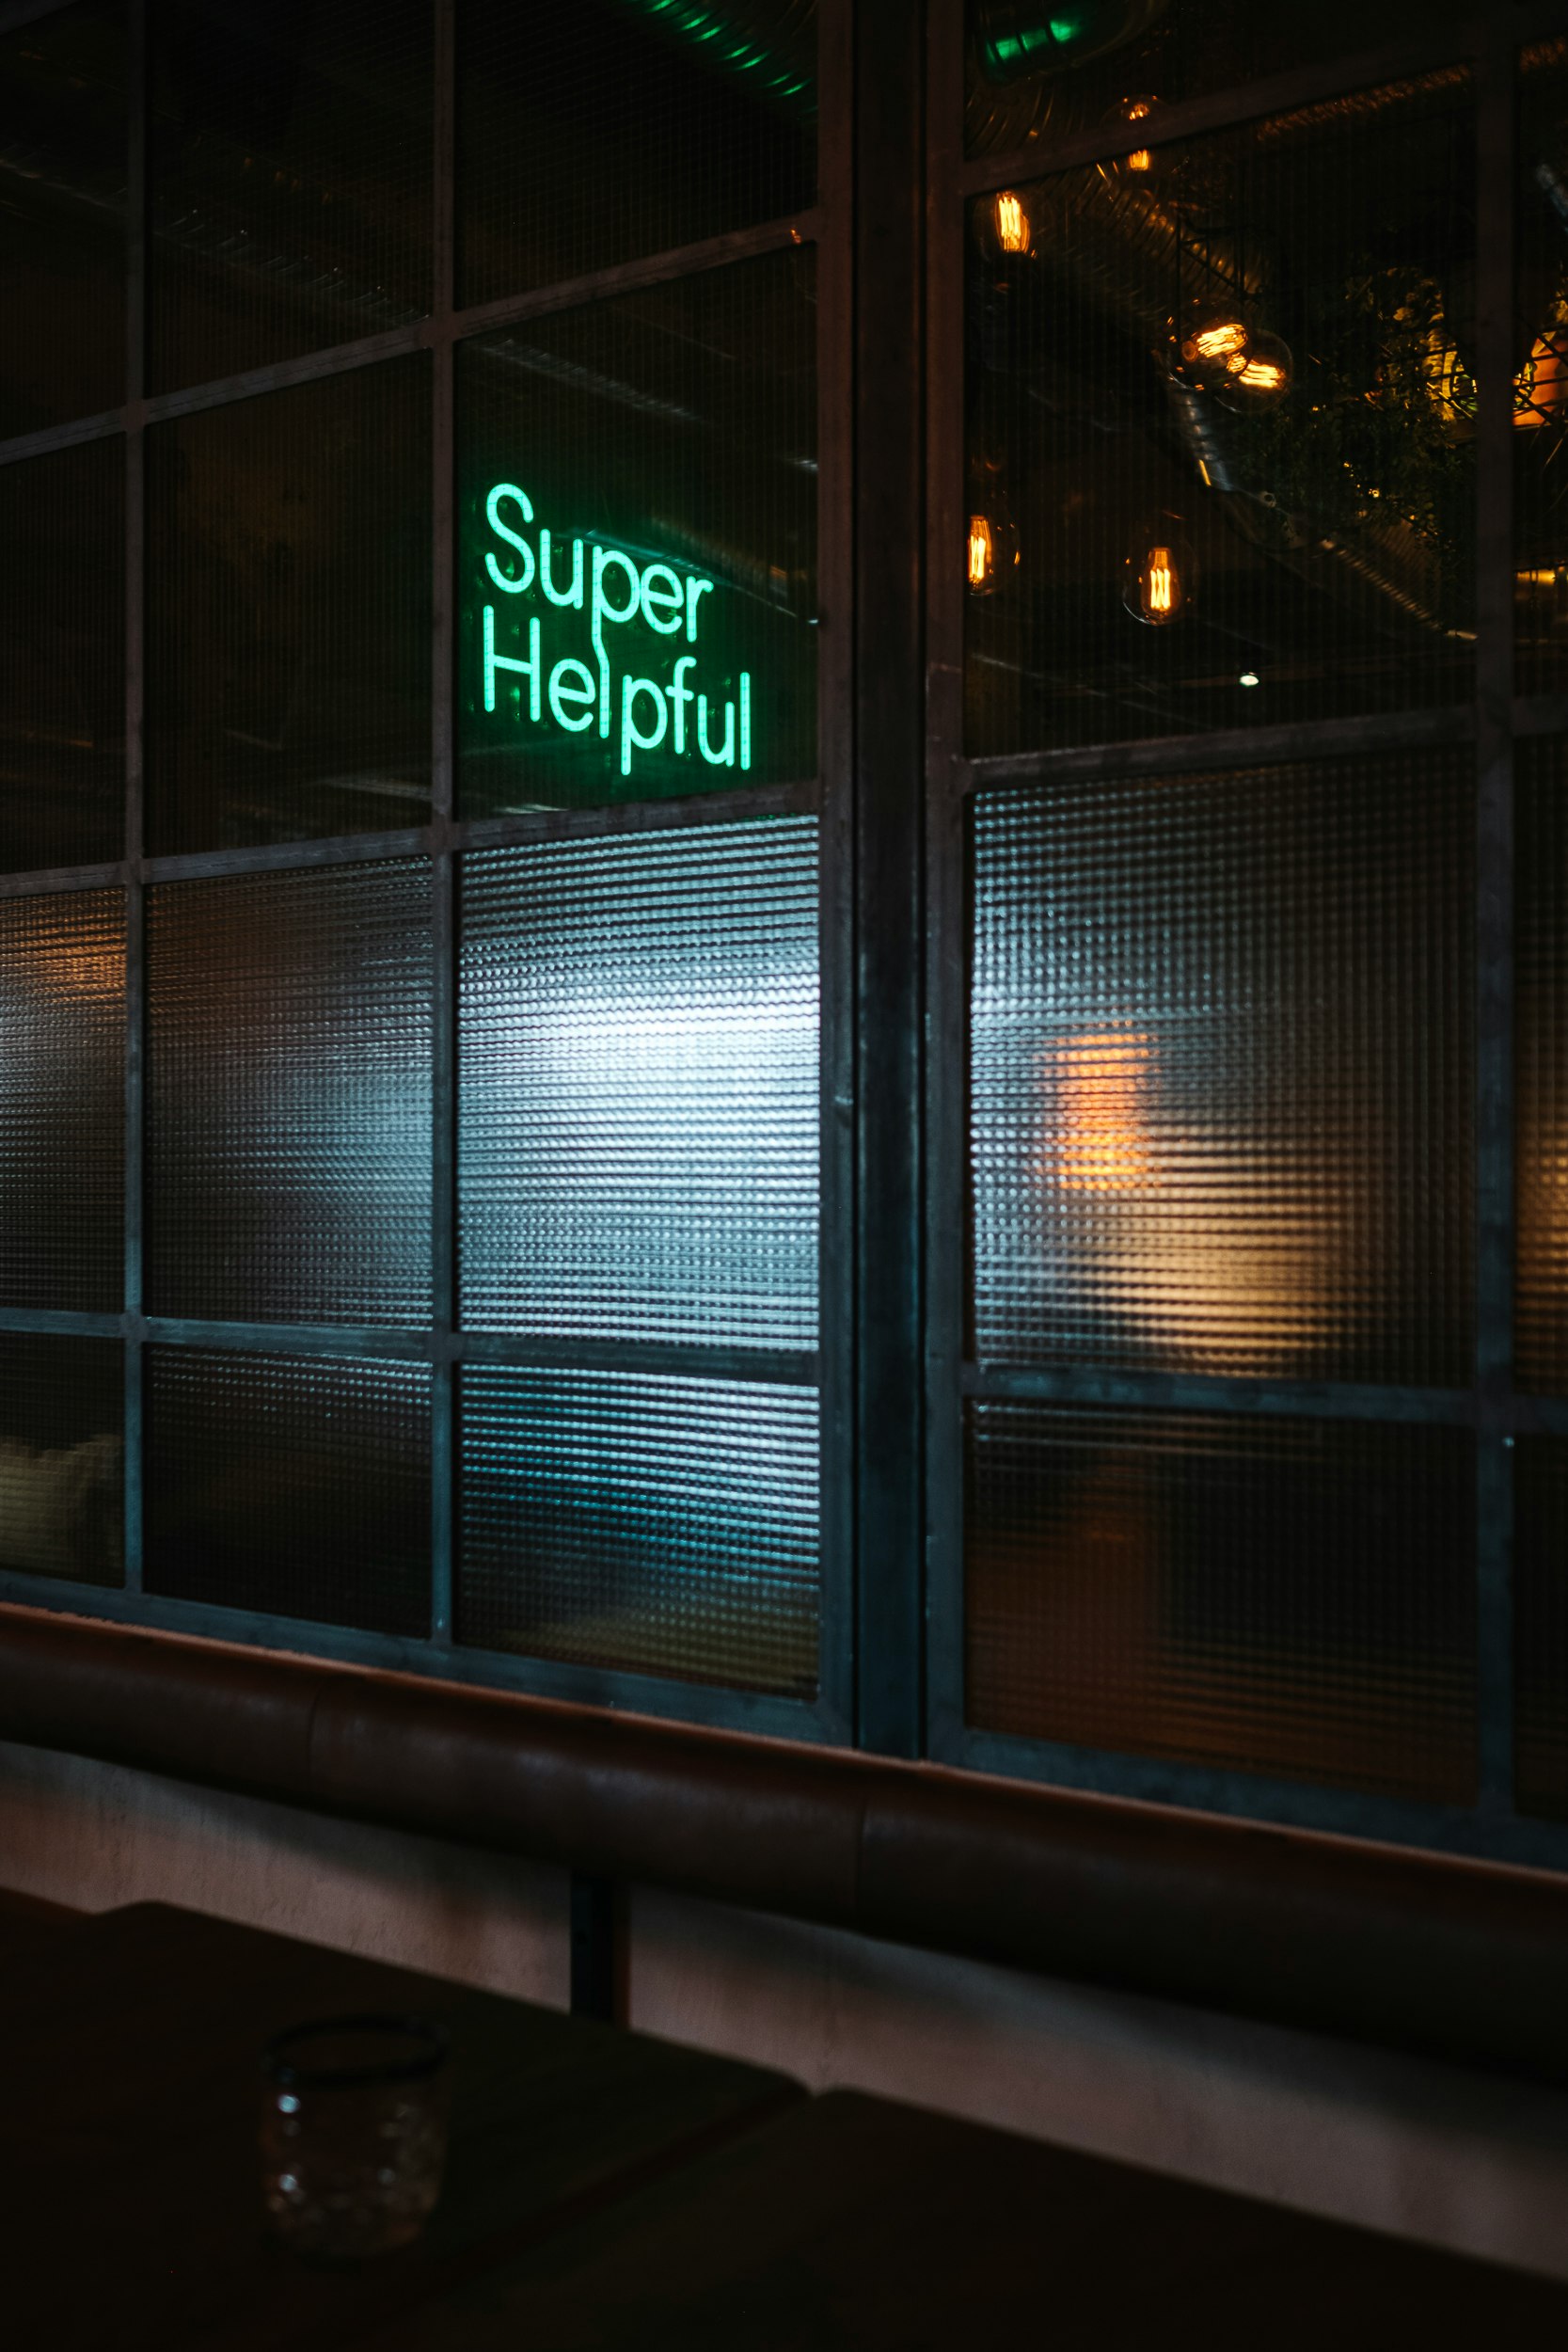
(1490,1406)
(828,795)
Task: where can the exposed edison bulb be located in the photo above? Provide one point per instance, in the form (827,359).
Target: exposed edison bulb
(991,548)
(1160,570)
(1215,340)
(1260,371)
(1010,222)
(1141,160)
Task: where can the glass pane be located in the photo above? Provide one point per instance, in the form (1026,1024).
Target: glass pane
(1038,75)
(638,1120)
(289,1096)
(62,1457)
(62,686)
(289,179)
(1542,1065)
(638,546)
(1285,1597)
(1221,430)
(1220,1072)
(654,1524)
(294,1485)
(289,614)
(1541,1625)
(62,1109)
(597,133)
(1541,384)
(62,224)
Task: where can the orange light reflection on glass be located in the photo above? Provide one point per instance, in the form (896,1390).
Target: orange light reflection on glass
(1541,387)
(1259,376)
(1099,1085)
(1012,223)
(982,552)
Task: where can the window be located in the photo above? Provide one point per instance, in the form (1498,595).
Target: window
(534,1151)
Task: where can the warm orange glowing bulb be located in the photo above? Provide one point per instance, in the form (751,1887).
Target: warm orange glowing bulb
(1160,593)
(1541,387)
(1140,160)
(1220,339)
(982,552)
(1259,376)
(1012,223)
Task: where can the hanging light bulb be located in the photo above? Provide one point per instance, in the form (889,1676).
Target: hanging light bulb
(1260,372)
(1214,342)
(1013,221)
(1160,573)
(992,546)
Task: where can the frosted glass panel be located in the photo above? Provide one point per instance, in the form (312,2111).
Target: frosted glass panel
(1220,1072)
(666,1526)
(638,1091)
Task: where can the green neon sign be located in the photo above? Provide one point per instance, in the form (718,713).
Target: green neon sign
(539,670)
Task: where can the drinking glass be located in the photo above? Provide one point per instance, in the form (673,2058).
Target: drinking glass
(353,2133)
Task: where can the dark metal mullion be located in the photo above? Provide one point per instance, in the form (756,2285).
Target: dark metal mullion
(1195,1393)
(136,666)
(1494,1105)
(443,1224)
(1234,747)
(890,470)
(946,952)
(835,850)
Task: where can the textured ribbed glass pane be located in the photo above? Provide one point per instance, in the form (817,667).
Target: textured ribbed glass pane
(1540,356)
(289,1096)
(663,642)
(1037,75)
(62,1457)
(657,1525)
(1220,1072)
(62,223)
(288,630)
(1221,430)
(1542,1065)
(1541,1625)
(62,684)
(289,179)
(593,134)
(298,1487)
(638,1081)
(1287,1596)
(62,1116)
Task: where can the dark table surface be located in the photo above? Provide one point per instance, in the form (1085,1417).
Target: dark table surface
(606,2190)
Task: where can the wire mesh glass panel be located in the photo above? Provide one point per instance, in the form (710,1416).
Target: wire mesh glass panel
(1285,1597)
(1038,74)
(289,179)
(289,1096)
(1541,1625)
(1221,430)
(642,1522)
(289,614)
(62,1107)
(62,688)
(62,1457)
(1222,1048)
(598,133)
(62,221)
(293,1485)
(639,1083)
(1541,1050)
(1541,358)
(636,543)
